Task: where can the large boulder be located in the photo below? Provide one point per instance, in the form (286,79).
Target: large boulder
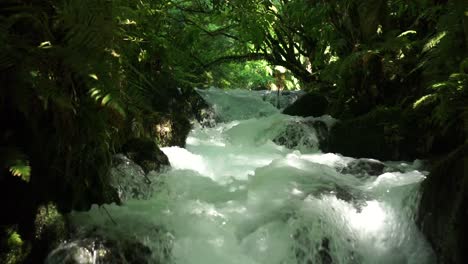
(392,133)
(443,210)
(384,134)
(298,135)
(129,180)
(310,104)
(171,129)
(364,137)
(304,135)
(145,153)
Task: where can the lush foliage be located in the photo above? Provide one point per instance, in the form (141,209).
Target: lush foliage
(361,55)
(80,78)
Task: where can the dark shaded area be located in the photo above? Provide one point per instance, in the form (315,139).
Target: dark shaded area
(443,212)
(393,134)
(310,104)
(145,153)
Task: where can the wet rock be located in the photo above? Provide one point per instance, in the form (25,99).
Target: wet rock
(285,98)
(350,195)
(100,250)
(322,132)
(308,135)
(443,210)
(197,105)
(310,249)
(129,179)
(207,117)
(298,135)
(113,244)
(364,167)
(145,153)
(310,104)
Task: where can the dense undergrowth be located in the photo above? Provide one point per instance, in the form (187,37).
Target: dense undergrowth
(78,80)
(81,78)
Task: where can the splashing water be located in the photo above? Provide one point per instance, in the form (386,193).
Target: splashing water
(235,196)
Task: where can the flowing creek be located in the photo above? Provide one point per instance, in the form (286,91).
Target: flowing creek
(237,195)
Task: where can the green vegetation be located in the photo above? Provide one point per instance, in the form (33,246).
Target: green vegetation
(81,78)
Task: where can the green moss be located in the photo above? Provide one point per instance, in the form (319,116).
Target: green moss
(15,240)
(49,223)
(13,249)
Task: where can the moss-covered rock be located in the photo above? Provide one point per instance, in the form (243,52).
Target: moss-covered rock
(393,134)
(20,244)
(13,249)
(171,129)
(443,211)
(310,104)
(50,229)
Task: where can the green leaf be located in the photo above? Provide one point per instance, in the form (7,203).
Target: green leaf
(21,169)
(45,45)
(15,240)
(433,42)
(106,99)
(408,32)
(424,100)
(94,76)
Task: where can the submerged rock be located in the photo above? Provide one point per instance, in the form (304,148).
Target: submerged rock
(304,135)
(298,135)
(443,210)
(309,249)
(310,104)
(207,117)
(322,132)
(366,167)
(284,99)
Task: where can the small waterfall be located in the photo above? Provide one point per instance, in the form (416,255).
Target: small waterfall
(255,188)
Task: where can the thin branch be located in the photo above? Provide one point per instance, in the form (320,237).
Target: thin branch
(236,58)
(217,32)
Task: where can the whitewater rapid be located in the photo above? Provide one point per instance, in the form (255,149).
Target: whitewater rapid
(235,196)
